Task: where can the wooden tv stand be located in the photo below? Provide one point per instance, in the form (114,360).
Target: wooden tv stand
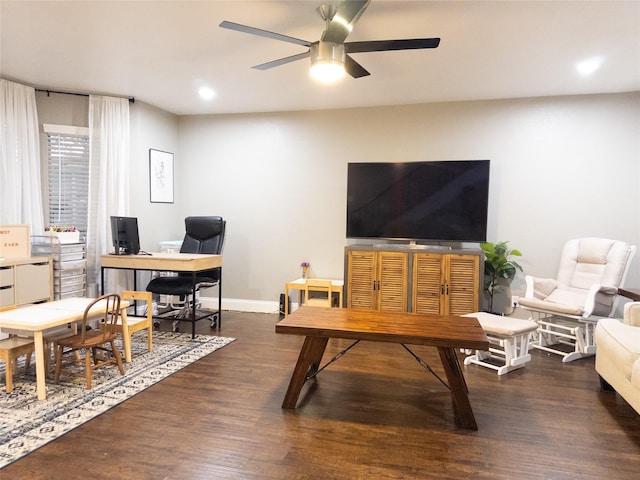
(413,278)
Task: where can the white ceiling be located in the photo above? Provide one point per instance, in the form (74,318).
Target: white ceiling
(161,52)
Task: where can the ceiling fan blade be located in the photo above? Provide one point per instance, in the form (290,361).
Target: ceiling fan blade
(385,45)
(341,24)
(263,33)
(353,68)
(281,61)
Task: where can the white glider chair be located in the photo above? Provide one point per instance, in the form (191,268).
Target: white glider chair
(567,309)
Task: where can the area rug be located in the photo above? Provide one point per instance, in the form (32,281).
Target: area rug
(27,424)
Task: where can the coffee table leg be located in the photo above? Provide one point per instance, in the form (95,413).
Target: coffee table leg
(308,363)
(462,407)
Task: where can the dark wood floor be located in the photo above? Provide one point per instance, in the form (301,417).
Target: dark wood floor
(375,414)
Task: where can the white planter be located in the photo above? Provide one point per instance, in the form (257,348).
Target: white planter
(65,237)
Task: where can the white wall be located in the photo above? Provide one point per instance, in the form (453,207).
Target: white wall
(152,128)
(561,168)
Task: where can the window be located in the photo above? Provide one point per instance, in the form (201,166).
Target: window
(68,173)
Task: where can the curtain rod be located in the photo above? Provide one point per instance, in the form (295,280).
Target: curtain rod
(49,92)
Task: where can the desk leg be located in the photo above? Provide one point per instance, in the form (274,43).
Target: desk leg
(220,300)
(308,364)
(461,405)
(193,308)
(40,370)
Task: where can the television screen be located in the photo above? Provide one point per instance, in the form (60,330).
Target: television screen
(124,231)
(437,201)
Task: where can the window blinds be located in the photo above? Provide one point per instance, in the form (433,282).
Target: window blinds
(68,166)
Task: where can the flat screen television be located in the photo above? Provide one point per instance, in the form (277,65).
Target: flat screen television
(124,231)
(429,201)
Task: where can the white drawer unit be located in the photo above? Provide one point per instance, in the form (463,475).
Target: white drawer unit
(25,280)
(69,265)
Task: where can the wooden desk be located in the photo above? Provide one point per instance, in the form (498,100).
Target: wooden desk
(446,333)
(42,316)
(163,262)
(632,293)
(299,284)
(167,262)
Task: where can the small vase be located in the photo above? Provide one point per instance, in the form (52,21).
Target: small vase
(305,271)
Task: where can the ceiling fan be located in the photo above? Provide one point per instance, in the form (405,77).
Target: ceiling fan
(331,52)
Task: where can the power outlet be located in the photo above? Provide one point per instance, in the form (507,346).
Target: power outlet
(514,300)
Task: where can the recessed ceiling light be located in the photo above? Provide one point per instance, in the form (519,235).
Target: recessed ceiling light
(206,93)
(587,67)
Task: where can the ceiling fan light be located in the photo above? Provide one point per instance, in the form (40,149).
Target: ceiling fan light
(327,72)
(327,61)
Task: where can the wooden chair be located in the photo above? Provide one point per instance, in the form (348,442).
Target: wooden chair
(129,325)
(317,292)
(10,350)
(107,307)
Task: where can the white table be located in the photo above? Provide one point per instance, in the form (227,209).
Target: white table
(35,319)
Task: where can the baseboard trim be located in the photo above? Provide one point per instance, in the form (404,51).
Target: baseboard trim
(241,305)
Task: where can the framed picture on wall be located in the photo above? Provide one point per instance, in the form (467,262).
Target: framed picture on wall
(161,176)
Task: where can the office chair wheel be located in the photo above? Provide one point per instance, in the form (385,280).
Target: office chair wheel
(156,324)
(214,320)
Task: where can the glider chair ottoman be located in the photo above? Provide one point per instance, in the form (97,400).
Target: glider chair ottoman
(508,339)
(618,354)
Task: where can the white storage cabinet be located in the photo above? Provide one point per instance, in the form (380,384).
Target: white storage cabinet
(69,265)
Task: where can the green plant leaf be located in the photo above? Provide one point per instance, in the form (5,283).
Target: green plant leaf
(499,269)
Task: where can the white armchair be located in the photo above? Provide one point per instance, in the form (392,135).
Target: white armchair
(618,355)
(567,308)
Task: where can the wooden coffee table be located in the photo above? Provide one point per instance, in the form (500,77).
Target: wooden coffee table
(446,333)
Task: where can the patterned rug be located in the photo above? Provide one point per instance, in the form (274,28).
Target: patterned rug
(27,424)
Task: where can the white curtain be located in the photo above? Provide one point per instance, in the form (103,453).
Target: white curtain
(20,193)
(109,172)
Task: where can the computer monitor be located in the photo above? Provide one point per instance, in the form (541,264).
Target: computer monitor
(124,231)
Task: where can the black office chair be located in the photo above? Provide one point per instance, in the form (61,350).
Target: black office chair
(203,235)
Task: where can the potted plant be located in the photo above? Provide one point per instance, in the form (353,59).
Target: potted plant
(499,268)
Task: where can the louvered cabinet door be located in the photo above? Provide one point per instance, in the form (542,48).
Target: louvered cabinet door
(464,275)
(393,271)
(433,282)
(428,283)
(361,272)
